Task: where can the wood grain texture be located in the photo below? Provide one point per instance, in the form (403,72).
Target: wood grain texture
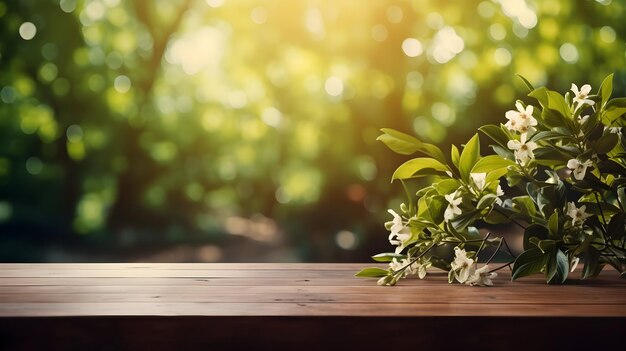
(293,306)
(33,290)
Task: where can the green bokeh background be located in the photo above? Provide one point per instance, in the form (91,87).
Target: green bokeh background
(202,131)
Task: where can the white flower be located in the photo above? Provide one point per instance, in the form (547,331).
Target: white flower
(579,168)
(399,232)
(396,265)
(415,268)
(453,207)
(523,150)
(582,94)
(481,277)
(499,193)
(573,263)
(578,215)
(479,179)
(387,280)
(583,119)
(462,265)
(521,120)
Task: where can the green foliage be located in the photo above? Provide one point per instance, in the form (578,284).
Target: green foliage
(491,163)
(387,257)
(469,157)
(372,272)
(405,144)
(420,166)
(550,160)
(529,262)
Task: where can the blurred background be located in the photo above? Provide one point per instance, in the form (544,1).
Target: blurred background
(244,130)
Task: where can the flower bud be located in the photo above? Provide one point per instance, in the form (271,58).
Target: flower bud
(387,280)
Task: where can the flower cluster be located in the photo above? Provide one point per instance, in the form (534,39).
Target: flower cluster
(563,160)
(464,270)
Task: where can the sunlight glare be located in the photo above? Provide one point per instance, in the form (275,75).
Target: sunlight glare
(197,50)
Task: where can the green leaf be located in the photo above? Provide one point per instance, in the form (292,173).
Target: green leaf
(524,205)
(611,167)
(606,89)
(546,245)
(495,217)
(534,231)
(555,194)
(496,134)
(486,201)
(606,143)
(399,142)
(454,155)
(436,206)
(372,272)
(603,208)
(553,225)
(549,155)
(591,266)
(495,175)
(502,152)
(529,262)
(461,221)
(552,119)
(621,195)
(387,257)
(617,226)
(422,210)
(549,135)
(411,167)
(557,103)
(491,163)
(541,95)
(469,157)
(405,144)
(613,109)
(557,267)
(526,82)
(447,186)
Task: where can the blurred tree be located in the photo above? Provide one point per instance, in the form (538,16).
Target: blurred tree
(126,126)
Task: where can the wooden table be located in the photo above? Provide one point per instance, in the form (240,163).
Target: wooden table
(293,306)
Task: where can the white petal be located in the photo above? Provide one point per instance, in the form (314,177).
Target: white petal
(585,89)
(463,275)
(529,110)
(519,106)
(513,145)
(522,138)
(573,163)
(511,115)
(579,173)
(574,263)
(575,89)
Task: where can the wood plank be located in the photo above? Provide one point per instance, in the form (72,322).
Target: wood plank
(194,266)
(293,289)
(196,273)
(292,306)
(267,294)
(308,309)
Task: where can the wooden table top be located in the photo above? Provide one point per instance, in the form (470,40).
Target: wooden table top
(162,289)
